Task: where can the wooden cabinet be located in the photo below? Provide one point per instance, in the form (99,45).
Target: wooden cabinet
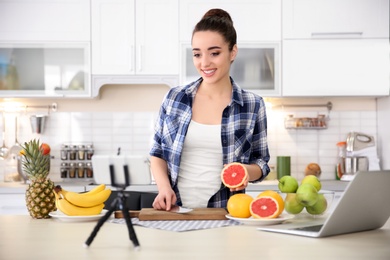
(134,37)
(45,20)
(335,67)
(307,19)
(254,20)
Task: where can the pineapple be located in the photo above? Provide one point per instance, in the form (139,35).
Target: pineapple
(40,199)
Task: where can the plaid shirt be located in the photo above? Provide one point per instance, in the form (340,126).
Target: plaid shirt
(243,133)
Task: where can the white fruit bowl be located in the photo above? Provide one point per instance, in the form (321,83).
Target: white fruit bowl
(328,195)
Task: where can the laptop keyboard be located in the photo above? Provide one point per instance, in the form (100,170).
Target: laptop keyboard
(315,228)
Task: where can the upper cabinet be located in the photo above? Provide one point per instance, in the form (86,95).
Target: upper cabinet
(45,48)
(308,19)
(135,37)
(134,42)
(258,25)
(254,20)
(335,48)
(44,20)
(336,68)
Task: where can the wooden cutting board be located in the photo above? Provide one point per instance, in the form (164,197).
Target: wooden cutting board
(196,214)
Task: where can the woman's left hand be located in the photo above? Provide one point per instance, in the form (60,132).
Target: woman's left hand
(243,186)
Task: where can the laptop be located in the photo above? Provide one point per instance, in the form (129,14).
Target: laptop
(137,165)
(364,205)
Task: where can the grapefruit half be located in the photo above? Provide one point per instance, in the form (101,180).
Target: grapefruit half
(233,175)
(268,204)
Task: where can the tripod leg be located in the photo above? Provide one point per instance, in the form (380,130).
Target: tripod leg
(132,234)
(100,224)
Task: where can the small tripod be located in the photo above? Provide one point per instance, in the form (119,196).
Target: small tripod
(120,201)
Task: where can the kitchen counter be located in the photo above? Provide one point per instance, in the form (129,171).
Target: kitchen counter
(16,187)
(25,238)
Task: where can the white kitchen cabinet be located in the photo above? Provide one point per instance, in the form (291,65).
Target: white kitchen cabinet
(12,197)
(45,20)
(335,67)
(254,20)
(307,19)
(13,204)
(45,69)
(135,37)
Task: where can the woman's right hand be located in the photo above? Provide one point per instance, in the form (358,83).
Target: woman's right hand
(164,200)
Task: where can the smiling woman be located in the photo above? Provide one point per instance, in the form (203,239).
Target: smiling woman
(207,124)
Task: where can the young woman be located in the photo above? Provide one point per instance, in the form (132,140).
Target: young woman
(207,124)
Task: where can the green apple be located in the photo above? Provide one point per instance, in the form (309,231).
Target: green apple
(319,207)
(313,180)
(307,194)
(291,205)
(288,184)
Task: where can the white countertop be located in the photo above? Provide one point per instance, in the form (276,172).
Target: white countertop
(25,238)
(17,187)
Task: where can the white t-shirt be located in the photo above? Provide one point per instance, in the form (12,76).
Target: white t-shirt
(201,165)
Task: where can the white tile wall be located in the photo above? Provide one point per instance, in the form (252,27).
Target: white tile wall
(132,131)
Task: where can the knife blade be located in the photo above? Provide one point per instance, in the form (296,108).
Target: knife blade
(178,209)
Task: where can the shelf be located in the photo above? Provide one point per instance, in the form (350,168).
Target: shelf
(320,122)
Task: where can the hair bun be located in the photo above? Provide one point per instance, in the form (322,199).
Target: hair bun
(218,14)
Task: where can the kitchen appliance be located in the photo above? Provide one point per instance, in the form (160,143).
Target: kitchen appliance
(361,155)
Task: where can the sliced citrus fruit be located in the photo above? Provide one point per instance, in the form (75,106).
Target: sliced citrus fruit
(238,205)
(233,175)
(268,204)
(264,207)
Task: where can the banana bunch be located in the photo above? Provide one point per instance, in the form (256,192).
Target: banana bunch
(81,204)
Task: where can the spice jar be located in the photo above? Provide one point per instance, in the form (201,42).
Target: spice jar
(73,153)
(89,170)
(72,170)
(64,152)
(64,170)
(89,151)
(80,170)
(81,152)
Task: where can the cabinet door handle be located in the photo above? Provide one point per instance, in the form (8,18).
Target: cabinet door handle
(335,34)
(131,60)
(140,58)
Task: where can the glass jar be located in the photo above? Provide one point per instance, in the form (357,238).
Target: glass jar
(89,170)
(73,153)
(72,170)
(64,152)
(89,151)
(81,152)
(64,170)
(80,170)
(340,165)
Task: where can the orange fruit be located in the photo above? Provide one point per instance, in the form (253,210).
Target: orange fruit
(45,148)
(268,204)
(233,175)
(238,205)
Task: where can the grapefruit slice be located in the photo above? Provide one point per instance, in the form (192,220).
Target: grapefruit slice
(266,207)
(276,196)
(233,175)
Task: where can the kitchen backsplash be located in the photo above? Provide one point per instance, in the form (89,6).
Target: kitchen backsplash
(132,132)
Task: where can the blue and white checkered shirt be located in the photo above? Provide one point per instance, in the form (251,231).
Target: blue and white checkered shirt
(243,133)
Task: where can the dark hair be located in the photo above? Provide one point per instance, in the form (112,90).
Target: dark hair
(218,20)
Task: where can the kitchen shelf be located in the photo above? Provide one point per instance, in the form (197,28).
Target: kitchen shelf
(320,122)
